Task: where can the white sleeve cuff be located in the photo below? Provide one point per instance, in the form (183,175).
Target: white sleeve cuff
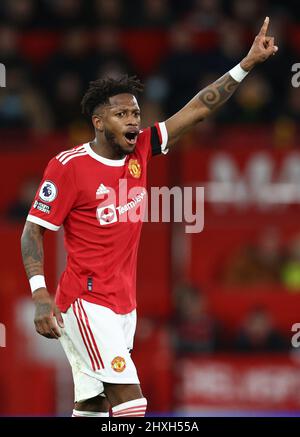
(164,137)
(41,222)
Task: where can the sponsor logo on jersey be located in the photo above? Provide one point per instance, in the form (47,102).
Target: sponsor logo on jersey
(118,364)
(132,204)
(42,207)
(107,214)
(101,190)
(134,168)
(48,192)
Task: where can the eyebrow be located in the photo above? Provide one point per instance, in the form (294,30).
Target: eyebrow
(123,108)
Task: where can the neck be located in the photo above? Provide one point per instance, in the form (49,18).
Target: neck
(102,147)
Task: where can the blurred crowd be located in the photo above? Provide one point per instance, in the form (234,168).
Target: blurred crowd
(52,49)
(196,330)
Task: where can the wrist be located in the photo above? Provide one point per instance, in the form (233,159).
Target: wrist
(238,73)
(41,295)
(37,282)
(246,64)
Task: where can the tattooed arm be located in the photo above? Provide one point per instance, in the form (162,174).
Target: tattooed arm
(33,259)
(217,93)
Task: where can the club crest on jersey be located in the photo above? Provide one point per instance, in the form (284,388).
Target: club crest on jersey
(48,191)
(107,214)
(134,168)
(118,364)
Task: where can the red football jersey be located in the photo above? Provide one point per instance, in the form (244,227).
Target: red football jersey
(98,201)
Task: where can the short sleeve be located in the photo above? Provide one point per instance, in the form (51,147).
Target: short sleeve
(159,139)
(55,196)
(153,140)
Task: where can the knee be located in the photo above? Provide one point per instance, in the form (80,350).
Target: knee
(120,393)
(96,404)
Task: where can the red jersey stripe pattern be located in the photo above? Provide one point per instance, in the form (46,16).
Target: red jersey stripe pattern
(95,347)
(87,336)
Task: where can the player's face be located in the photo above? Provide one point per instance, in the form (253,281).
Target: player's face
(121,123)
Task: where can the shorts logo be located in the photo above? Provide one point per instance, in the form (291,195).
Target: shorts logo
(48,192)
(134,168)
(118,364)
(107,214)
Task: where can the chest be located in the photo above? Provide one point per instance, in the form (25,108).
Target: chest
(98,183)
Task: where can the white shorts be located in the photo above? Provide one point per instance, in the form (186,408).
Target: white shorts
(98,342)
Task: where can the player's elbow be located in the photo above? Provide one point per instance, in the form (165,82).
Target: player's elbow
(25,237)
(31,231)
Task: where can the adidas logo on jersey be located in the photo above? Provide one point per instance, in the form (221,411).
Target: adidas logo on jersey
(102,190)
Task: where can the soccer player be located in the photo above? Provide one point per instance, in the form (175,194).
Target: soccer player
(83,189)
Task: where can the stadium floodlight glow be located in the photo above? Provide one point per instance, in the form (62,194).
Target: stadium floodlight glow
(2,76)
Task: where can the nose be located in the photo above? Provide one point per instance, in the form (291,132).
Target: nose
(132,121)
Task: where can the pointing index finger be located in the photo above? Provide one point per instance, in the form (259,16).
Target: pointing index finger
(264,27)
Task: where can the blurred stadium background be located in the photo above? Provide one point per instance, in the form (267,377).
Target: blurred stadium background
(216,308)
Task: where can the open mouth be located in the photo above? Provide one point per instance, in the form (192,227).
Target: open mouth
(131,137)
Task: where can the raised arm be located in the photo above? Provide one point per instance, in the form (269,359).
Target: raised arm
(33,259)
(217,93)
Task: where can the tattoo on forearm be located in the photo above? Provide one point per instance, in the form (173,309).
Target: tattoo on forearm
(32,251)
(218,92)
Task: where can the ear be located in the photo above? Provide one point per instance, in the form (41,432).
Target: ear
(98,122)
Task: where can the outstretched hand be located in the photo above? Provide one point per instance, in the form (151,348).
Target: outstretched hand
(262,48)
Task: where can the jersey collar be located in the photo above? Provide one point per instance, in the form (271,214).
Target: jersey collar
(105,161)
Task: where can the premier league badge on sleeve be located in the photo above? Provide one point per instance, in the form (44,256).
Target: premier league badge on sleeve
(48,191)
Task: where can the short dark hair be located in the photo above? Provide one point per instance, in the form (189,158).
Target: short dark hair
(101,90)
